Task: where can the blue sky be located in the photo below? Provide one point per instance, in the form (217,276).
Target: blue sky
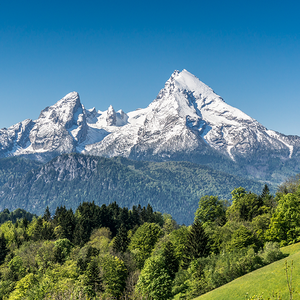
(122,52)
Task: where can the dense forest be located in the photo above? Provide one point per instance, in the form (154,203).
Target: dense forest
(68,180)
(109,252)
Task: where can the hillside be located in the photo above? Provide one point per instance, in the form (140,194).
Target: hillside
(170,187)
(15,167)
(267,280)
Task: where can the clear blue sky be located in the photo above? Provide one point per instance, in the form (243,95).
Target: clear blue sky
(122,52)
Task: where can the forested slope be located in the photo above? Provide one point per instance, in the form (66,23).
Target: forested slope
(170,187)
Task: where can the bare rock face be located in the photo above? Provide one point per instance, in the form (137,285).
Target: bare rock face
(59,127)
(13,139)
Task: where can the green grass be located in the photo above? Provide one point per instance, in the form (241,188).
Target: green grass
(267,280)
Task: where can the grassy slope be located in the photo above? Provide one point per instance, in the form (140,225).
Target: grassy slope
(269,279)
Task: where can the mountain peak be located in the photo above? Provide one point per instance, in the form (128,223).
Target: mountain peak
(71,99)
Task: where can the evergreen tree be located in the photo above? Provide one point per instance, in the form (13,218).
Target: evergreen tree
(3,248)
(25,222)
(196,245)
(265,191)
(121,240)
(38,230)
(134,217)
(93,279)
(171,261)
(47,215)
(66,219)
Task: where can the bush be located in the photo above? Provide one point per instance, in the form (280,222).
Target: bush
(271,253)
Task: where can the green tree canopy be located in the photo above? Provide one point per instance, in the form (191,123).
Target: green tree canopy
(143,241)
(211,210)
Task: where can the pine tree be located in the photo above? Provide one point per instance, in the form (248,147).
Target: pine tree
(171,261)
(92,278)
(265,191)
(196,245)
(121,240)
(3,248)
(38,230)
(47,214)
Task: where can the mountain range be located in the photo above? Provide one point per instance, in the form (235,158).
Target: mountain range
(187,121)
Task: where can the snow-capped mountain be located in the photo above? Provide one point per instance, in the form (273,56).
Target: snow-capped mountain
(186,121)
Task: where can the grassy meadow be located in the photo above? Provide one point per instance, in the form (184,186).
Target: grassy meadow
(266,281)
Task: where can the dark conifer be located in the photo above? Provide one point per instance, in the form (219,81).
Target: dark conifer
(197,243)
(265,191)
(47,215)
(38,230)
(171,261)
(135,217)
(3,248)
(121,240)
(92,278)
(25,223)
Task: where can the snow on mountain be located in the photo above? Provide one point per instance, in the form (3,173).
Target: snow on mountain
(186,117)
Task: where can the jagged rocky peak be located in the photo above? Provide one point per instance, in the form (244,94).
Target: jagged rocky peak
(63,111)
(60,125)
(111,118)
(91,113)
(122,118)
(185,81)
(187,119)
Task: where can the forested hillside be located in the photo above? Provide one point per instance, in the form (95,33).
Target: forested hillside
(109,251)
(15,167)
(170,187)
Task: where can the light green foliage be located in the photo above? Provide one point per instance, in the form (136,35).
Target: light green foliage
(214,271)
(271,253)
(14,236)
(268,282)
(100,239)
(197,282)
(211,210)
(285,223)
(155,282)
(16,269)
(178,238)
(23,286)
(169,223)
(57,278)
(28,253)
(242,238)
(45,255)
(62,249)
(181,284)
(114,275)
(260,225)
(245,205)
(143,241)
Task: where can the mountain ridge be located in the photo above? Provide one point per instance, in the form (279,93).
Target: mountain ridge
(186,121)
